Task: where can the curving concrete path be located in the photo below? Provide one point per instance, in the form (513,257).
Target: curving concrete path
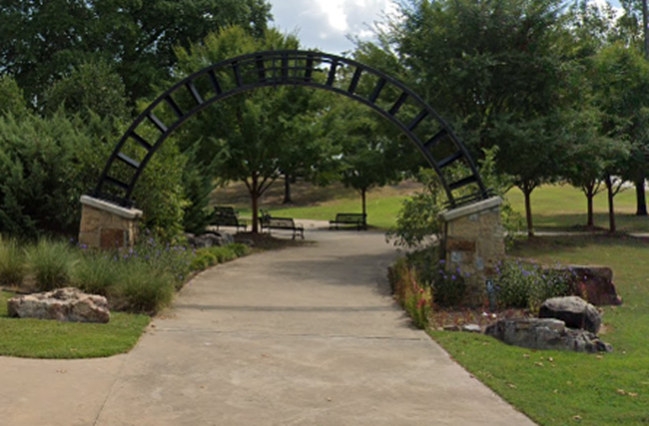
(303,336)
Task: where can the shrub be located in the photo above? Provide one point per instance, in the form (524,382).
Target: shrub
(143,289)
(96,273)
(240,249)
(520,285)
(415,298)
(12,263)
(52,263)
(449,287)
(223,254)
(203,260)
(162,257)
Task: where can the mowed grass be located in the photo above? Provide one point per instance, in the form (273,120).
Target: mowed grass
(563,208)
(554,207)
(564,388)
(322,203)
(31,338)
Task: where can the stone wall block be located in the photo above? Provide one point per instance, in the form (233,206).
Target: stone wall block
(474,242)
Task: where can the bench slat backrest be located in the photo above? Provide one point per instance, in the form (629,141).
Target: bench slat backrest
(281,222)
(350,217)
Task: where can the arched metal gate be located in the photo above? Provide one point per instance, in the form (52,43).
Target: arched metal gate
(391,99)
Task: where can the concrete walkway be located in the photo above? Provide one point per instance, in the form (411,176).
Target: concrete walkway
(302,336)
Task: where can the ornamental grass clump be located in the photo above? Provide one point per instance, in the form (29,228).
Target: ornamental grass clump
(96,273)
(12,263)
(143,289)
(52,263)
(174,260)
(415,298)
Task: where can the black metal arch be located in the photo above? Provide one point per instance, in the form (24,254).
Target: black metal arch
(423,126)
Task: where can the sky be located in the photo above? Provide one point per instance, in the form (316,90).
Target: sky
(325,24)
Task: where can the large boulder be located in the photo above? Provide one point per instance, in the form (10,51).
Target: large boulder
(597,283)
(64,304)
(545,333)
(210,239)
(574,311)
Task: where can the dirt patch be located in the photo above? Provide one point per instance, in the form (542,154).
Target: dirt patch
(450,319)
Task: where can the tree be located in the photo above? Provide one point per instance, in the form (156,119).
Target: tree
(621,87)
(590,155)
(11,97)
(257,137)
(493,69)
(44,41)
(370,151)
(89,87)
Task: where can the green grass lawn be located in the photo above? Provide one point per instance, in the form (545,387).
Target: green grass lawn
(554,207)
(554,387)
(31,338)
(562,207)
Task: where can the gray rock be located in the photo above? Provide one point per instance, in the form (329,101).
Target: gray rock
(546,333)
(472,328)
(210,239)
(574,311)
(64,304)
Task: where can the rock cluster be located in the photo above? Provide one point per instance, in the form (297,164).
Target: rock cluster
(210,239)
(64,304)
(566,323)
(546,333)
(574,311)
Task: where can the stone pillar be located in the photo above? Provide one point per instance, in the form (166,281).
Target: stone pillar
(474,242)
(107,225)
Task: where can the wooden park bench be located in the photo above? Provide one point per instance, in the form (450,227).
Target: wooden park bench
(282,223)
(227,216)
(359,220)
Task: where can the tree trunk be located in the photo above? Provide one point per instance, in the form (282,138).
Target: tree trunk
(591,222)
(528,210)
(611,208)
(589,191)
(641,209)
(254,197)
(363,196)
(287,190)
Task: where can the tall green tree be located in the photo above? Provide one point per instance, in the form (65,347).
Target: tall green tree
(44,40)
(621,87)
(493,70)
(259,136)
(89,87)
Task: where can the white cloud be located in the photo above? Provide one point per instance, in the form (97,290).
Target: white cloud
(325,24)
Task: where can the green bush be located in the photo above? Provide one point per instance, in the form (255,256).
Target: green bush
(52,263)
(240,249)
(449,287)
(96,273)
(223,254)
(520,285)
(176,260)
(143,289)
(12,263)
(203,260)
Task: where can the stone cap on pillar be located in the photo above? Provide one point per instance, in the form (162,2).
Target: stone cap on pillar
(475,208)
(130,214)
